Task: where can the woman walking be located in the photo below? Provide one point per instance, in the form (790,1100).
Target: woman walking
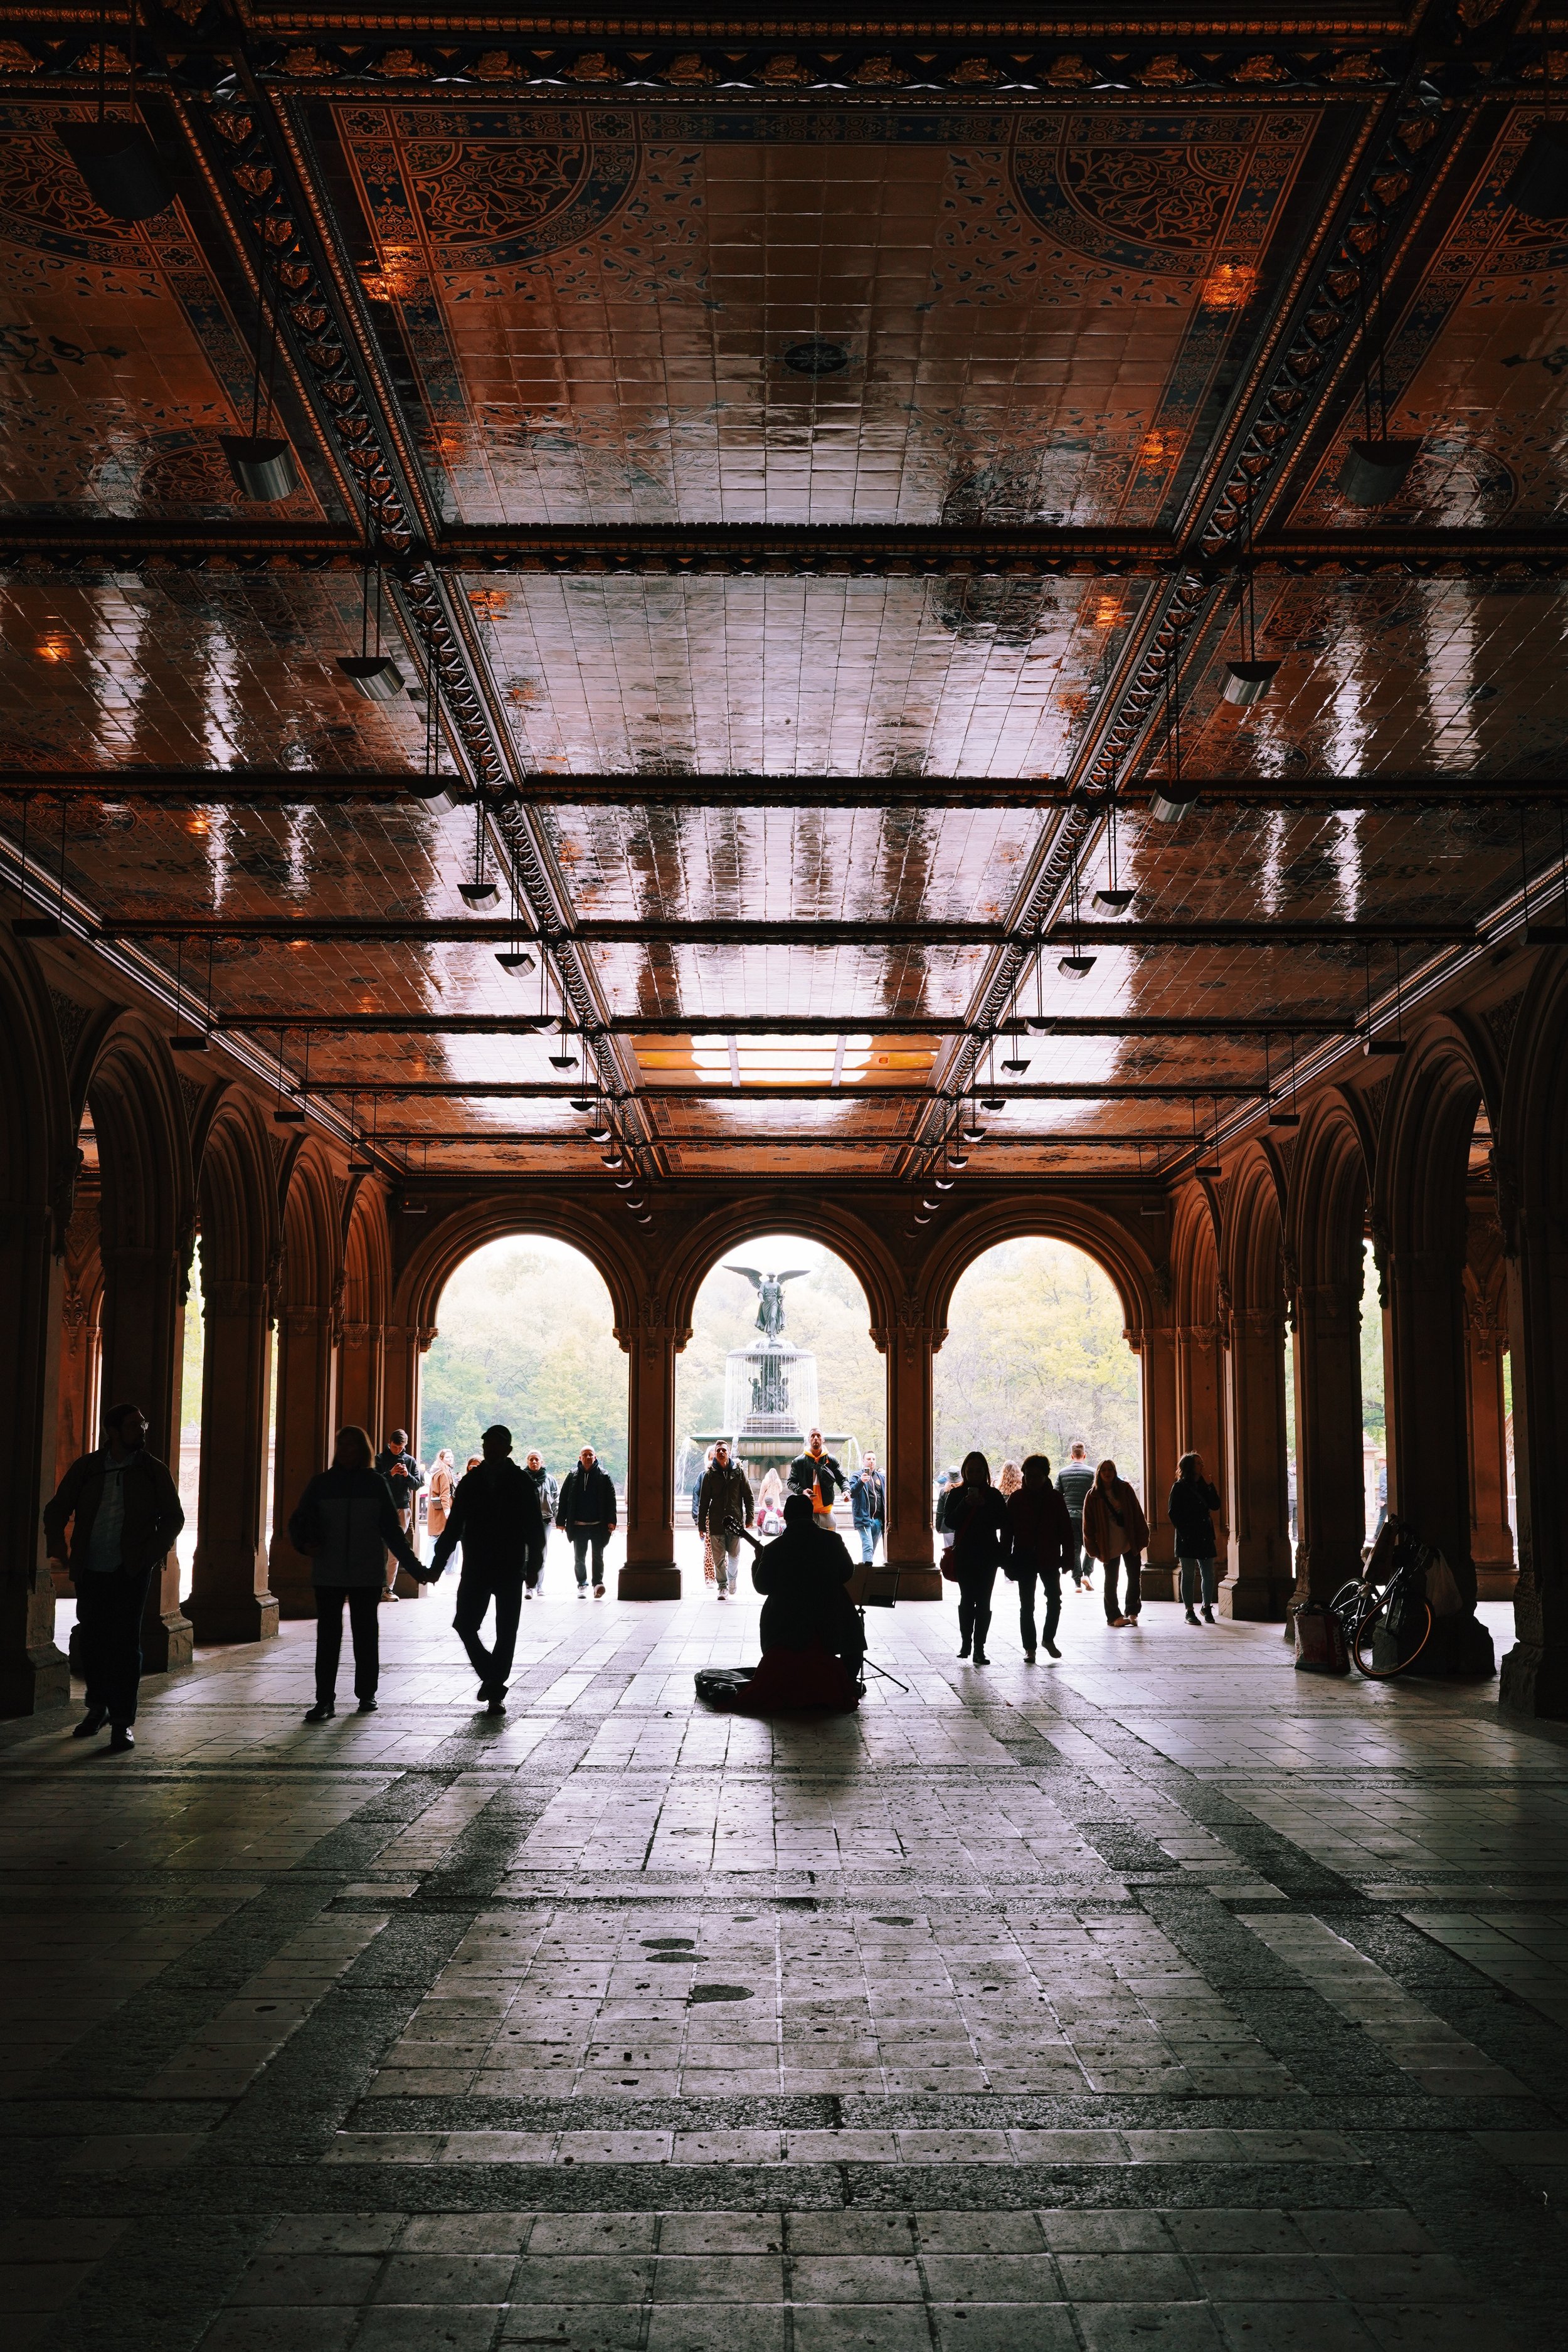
(1193,1500)
(347,1523)
(443,1481)
(1115,1532)
(1038,1534)
(977,1518)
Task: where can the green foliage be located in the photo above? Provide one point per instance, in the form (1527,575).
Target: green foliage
(827,1312)
(195,1344)
(1035,1357)
(526,1338)
(1373,1421)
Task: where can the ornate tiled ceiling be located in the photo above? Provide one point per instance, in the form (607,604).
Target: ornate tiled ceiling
(863,414)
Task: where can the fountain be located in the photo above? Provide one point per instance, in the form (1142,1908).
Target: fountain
(770,1390)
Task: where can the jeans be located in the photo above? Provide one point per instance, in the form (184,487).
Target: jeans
(1079,1562)
(1051,1584)
(871,1533)
(109,1606)
(1132,1563)
(365,1625)
(725,1558)
(974,1605)
(580,1539)
(1197,1572)
(475,1591)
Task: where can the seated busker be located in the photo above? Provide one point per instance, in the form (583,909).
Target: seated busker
(813,1642)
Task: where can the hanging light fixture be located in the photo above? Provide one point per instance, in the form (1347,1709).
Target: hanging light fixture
(480,890)
(262,462)
(1249,680)
(1173,796)
(119,167)
(1112,897)
(373,674)
(1375,467)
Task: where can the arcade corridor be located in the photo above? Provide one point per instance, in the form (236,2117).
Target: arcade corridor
(1163,1996)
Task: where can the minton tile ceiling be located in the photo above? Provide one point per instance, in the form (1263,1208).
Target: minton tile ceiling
(528,305)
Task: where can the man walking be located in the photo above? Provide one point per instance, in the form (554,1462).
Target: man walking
(495,1516)
(588,1511)
(1072,1486)
(125,1514)
(724,1505)
(404,1475)
(869,1506)
(544,1488)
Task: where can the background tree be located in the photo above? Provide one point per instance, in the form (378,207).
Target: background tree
(1036,1357)
(526,1337)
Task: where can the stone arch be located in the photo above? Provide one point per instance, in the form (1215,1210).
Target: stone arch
(1257,1505)
(37,1171)
(1100,1237)
(1324,1236)
(1202,1334)
(366,1304)
(725,1228)
(1420,1220)
(438,1253)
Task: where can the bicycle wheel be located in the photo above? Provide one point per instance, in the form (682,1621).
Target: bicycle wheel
(1414,1630)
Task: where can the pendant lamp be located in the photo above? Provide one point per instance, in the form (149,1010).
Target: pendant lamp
(121,168)
(1375,467)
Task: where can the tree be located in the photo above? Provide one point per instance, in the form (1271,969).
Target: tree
(526,1337)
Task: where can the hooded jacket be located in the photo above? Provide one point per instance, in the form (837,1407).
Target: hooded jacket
(809,1470)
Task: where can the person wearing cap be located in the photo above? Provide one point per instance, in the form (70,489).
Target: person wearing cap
(495,1517)
(125,1513)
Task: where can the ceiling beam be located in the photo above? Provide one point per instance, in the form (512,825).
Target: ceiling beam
(243,787)
(763,551)
(646,931)
(762,1025)
(723,1093)
(547,1140)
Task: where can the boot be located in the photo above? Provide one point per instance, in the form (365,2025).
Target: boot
(1208,1614)
(323,1711)
(1192,1616)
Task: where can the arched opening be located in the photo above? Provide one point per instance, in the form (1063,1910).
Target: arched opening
(780,1344)
(525,1334)
(1036,1357)
(1374,1397)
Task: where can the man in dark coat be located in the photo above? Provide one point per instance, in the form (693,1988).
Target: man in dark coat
(586,1510)
(724,1505)
(869,1505)
(125,1514)
(495,1516)
(816,1475)
(404,1474)
(545,1489)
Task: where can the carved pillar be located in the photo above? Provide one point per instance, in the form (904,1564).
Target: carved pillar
(649,1572)
(303,1442)
(360,1358)
(1329,1509)
(32,1672)
(143,1344)
(1200,1417)
(229,1598)
(1161,1447)
(1428,1416)
(1486,1342)
(911,1537)
(1257,1505)
(1534,1673)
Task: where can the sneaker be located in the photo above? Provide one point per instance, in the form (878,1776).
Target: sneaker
(582,1592)
(1208,1614)
(598,1591)
(722,1594)
(388,1595)
(1052,1651)
(1028,1657)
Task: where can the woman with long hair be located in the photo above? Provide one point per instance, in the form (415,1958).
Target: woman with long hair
(1009,1481)
(346,1523)
(977,1518)
(1115,1532)
(443,1484)
(1192,1502)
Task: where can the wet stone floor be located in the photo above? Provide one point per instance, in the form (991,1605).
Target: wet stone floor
(1164,1998)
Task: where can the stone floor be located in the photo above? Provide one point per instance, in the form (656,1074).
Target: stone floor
(1204,2004)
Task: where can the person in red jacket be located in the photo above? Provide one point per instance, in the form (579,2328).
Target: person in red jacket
(1039,1537)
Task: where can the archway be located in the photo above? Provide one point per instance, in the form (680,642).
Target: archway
(1036,1357)
(828,1373)
(525,1334)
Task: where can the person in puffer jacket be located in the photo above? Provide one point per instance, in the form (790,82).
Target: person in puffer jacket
(346,1524)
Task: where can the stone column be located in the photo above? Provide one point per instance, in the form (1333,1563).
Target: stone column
(1428,1419)
(360,1376)
(1160,1451)
(1330,1511)
(1200,1419)
(910,1541)
(33,1673)
(143,1344)
(649,1572)
(401,1348)
(1257,1505)
(229,1598)
(1491,1538)
(303,1442)
(1534,1673)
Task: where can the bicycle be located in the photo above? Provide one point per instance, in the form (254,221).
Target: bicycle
(1390,1597)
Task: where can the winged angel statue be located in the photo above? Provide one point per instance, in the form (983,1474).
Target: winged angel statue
(769,1289)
